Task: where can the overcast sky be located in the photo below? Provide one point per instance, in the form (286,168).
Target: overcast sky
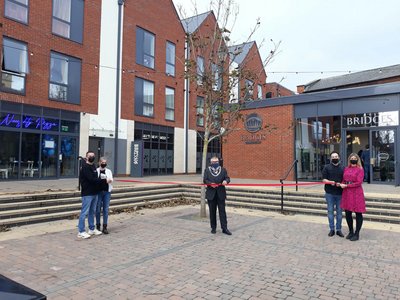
(318,35)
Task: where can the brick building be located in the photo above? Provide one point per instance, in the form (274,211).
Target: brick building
(309,126)
(48,78)
(275,89)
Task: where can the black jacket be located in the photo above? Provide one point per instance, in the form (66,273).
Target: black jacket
(210,178)
(333,173)
(89,180)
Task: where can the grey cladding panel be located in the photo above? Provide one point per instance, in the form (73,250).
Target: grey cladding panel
(305,110)
(373,104)
(329,108)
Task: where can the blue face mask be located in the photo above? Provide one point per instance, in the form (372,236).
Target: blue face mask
(215,165)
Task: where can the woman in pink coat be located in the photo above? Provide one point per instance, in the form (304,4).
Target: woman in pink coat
(353,195)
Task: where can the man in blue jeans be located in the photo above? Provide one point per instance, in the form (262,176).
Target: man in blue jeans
(333,172)
(90,189)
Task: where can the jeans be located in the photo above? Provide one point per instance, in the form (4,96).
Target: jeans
(88,208)
(366,172)
(334,200)
(103,200)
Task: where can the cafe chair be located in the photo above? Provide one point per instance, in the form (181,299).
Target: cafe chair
(29,169)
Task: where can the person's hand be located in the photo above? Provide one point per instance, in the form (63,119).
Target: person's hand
(333,183)
(338,184)
(343,186)
(224,182)
(109,180)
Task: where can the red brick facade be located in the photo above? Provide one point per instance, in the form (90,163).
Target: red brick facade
(161,19)
(270,159)
(40,41)
(277,90)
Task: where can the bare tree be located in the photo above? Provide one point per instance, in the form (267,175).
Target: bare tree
(211,69)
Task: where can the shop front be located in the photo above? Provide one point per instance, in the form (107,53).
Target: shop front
(37,142)
(348,126)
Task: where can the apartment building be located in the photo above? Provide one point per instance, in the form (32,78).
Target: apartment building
(48,83)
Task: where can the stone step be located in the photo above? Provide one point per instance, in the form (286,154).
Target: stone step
(65,215)
(78,199)
(76,206)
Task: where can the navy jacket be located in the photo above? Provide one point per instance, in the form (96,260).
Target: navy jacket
(210,178)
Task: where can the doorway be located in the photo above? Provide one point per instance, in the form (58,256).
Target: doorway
(382,152)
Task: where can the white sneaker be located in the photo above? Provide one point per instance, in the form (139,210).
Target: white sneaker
(94,232)
(83,235)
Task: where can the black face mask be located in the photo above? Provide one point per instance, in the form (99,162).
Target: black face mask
(91,159)
(353,161)
(335,160)
(103,165)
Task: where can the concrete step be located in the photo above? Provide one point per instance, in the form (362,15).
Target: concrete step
(75,206)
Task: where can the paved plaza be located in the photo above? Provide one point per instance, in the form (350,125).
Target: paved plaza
(169,253)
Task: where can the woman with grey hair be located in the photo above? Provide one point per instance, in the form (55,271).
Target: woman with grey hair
(104,197)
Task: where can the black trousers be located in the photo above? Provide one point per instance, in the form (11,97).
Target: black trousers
(212,205)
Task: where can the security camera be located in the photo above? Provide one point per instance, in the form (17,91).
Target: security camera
(84,113)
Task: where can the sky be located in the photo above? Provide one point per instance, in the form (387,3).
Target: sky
(334,37)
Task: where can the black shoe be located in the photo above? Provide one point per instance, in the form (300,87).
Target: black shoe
(213,231)
(354,237)
(226,231)
(98,226)
(339,233)
(349,235)
(105,231)
(331,233)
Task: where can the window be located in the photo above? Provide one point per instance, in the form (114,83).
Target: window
(217,77)
(145,42)
(259,91)
(200,70)
(144,97)
(169,104)
(68,19)
(200,111)
(65,78)
(14,65)
(249,90)
(170,59)
(17,10)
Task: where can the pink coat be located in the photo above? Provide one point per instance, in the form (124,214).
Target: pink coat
(353,196)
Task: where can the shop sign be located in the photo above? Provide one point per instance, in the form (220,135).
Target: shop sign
(137,159)
(377,119)
(27,122)
(253,123)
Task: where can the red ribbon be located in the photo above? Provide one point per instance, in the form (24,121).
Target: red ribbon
(230,184)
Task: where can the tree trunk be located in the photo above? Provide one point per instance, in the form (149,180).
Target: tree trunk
(203,187)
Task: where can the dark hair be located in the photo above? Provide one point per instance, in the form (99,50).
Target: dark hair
(334,152)
(367,146)
(89,152)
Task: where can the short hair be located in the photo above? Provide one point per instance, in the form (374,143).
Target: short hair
(89,152)
(215,158)
(102,158)
(367,146)
(334,152)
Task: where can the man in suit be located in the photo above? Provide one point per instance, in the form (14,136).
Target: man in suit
(216,194)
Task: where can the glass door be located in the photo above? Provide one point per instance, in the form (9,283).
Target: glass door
(383,160)
(68,156)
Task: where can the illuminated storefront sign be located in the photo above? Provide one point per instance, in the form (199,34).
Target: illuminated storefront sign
(27,122)
(378,119)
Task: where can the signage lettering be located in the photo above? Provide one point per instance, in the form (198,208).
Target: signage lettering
(136,154)
(28,122)
(372,119)
(253,137)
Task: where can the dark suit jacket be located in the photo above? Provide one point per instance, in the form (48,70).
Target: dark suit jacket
(210,178)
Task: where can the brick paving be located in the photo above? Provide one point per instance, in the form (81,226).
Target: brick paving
(170,254)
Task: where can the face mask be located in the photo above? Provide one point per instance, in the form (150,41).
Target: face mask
(103,165)
(215,165)
(335,160)
(91,159)
(353,161)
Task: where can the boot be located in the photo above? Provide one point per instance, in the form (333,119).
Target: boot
(98,226)
(355,237)
(105,231)
(351,233)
